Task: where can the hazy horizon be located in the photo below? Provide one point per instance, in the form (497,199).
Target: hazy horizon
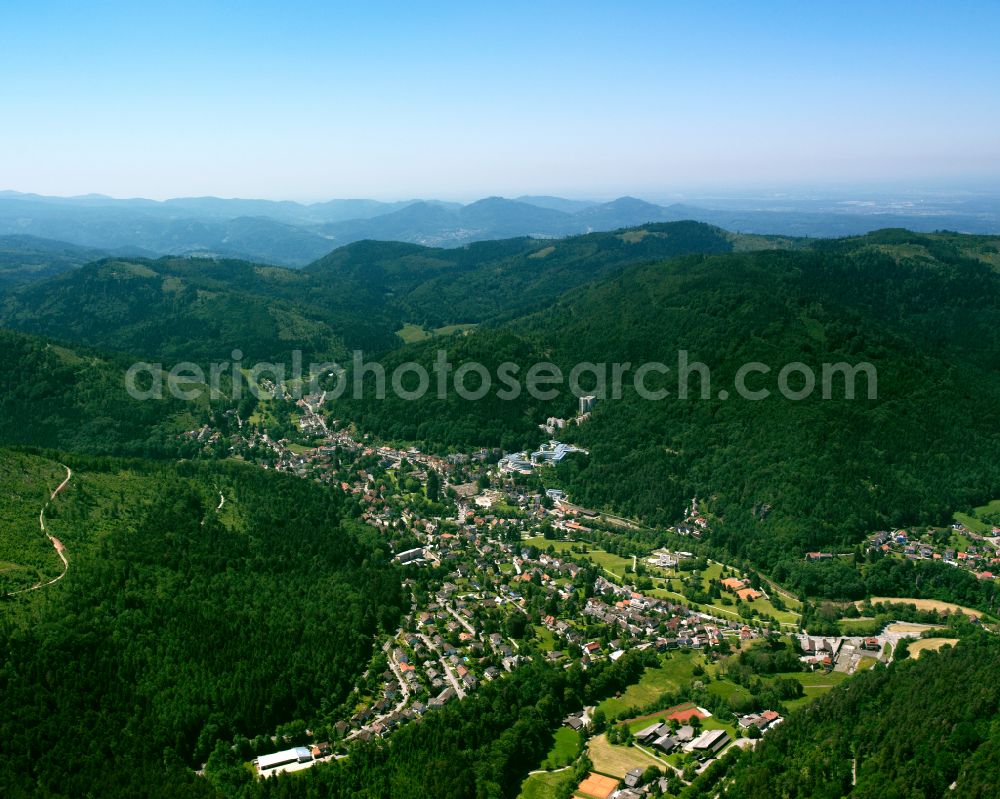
(982,188)
(304,101)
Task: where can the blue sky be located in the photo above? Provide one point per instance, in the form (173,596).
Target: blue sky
(309,100)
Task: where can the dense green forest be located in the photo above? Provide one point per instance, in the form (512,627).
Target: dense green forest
(913,729)
(26,555)
(27,259)
(500,280)
(75,399)
(198,309)
(175,310)
(180,624)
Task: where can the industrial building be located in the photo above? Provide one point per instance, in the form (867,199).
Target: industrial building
(299,754)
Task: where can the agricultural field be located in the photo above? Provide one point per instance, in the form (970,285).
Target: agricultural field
(726,689)
(909,627)
(676,670)
(617,760)
(925,604)
(411,334)
(930,645)
(615,564)
(863,625)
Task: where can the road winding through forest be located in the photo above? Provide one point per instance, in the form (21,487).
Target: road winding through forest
(56,543)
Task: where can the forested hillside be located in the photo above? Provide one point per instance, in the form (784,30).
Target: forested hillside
(500,280)
(76,399)
(357,297)
(182,620)
(26,555)
(175,310)
(911,730)
(26,259)
(826,470)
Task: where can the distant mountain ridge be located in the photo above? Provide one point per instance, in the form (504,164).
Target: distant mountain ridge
(295,234)
(25,259)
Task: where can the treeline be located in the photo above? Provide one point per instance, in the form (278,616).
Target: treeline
(184,626)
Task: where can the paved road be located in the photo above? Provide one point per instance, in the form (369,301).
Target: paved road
(399,706)
(403,686)
(444,665)
(468,627)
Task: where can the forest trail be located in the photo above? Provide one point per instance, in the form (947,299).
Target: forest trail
(56,543)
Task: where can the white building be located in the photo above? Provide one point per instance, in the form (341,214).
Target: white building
(300,754)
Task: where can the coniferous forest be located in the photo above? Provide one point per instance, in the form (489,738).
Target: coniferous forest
(181,626)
